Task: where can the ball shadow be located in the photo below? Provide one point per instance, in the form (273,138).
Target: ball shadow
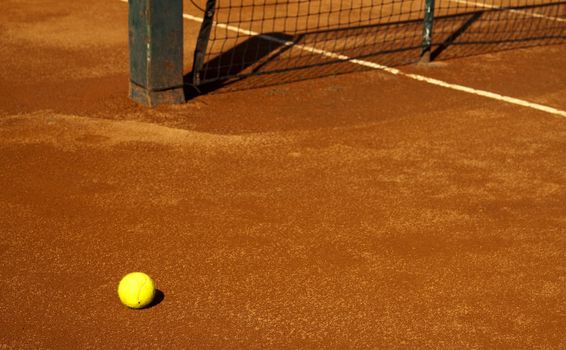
(157,299)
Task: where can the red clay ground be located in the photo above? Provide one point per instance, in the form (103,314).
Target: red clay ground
(359,211)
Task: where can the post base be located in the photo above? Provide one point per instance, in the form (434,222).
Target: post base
(150,98)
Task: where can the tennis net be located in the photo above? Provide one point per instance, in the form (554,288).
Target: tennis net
(240,38)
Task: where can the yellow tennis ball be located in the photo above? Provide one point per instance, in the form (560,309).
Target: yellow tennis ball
(136,290)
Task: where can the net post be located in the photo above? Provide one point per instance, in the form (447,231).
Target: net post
(427,31)
(156,51)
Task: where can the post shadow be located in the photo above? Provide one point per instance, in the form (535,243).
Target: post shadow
(452,37)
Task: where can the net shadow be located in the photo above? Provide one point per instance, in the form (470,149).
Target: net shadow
(487,31)
(280,58)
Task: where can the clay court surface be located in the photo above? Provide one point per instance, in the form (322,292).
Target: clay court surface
(361,211)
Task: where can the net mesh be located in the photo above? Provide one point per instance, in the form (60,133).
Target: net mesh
(250,37)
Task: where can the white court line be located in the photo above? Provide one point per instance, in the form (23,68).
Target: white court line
(390,70)
(519,12)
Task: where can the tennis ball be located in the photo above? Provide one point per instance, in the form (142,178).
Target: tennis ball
(136,290)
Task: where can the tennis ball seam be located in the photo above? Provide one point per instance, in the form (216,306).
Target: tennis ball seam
(140,289)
